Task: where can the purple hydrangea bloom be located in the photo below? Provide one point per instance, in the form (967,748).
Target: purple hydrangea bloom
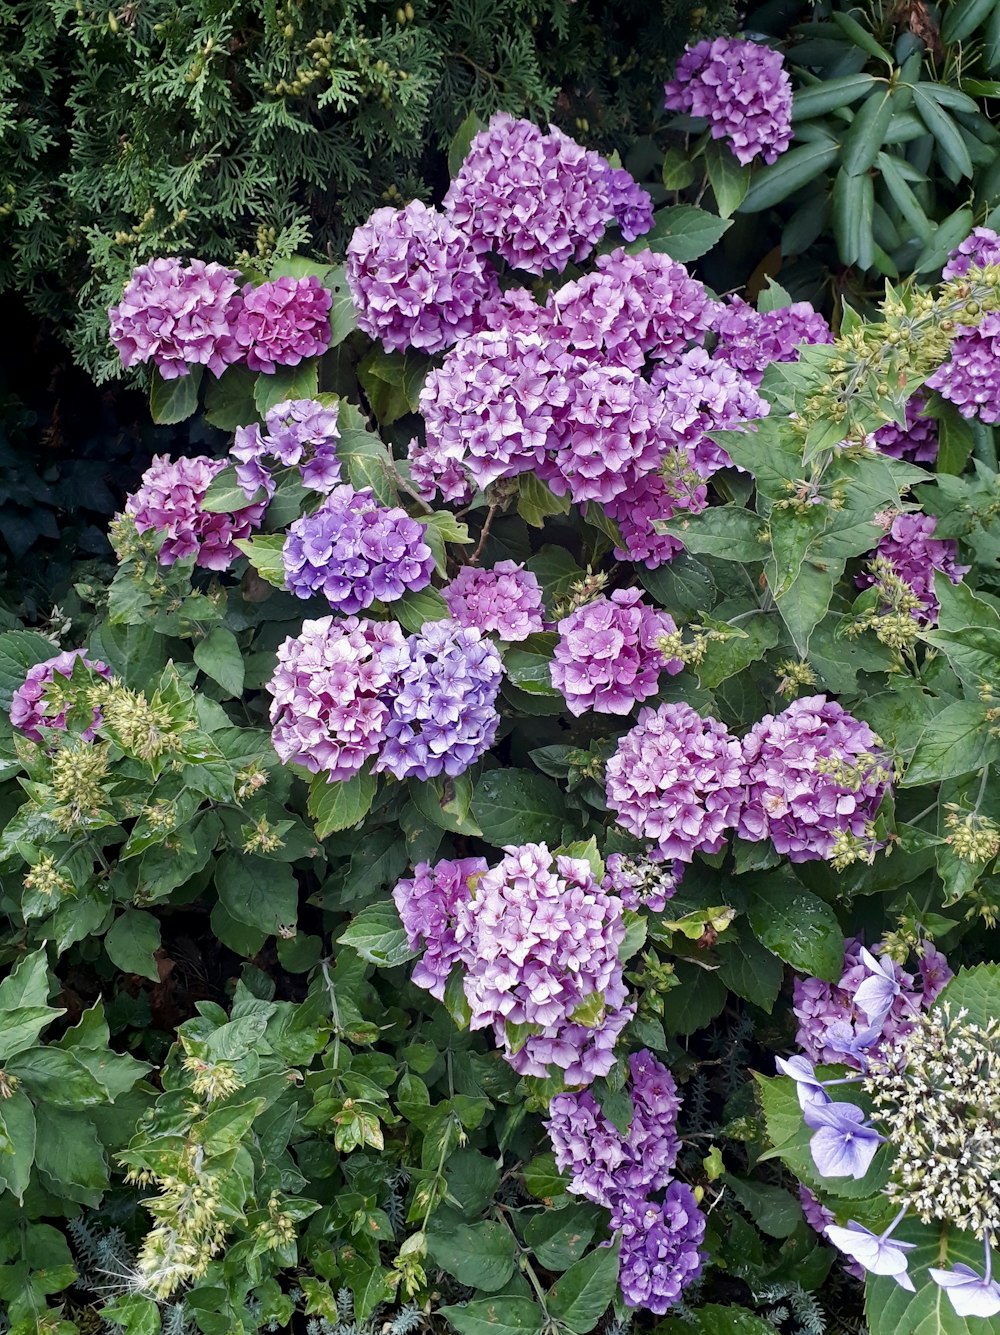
(433,470)
(176,316)
(607,655)
(676,779)
(539,200)
(641,884)
(354,550)
(29,708)
(283,322)
(605,1164)
(660,1253)
(970,378)
(329,689)
(512,310)
(540,942)
(169,502)
(415,279)
(428,906)
(652,496)
(701,395)
(914,554)
(443,713)
(505,601)
(632,307)
(843,1144)
(812,772)
(631,206)
(980,248)
(817,1216)
(301,433)
(917,441)
(749,340)
(828,1014)
(969,1293)
(742,89)
(493,404)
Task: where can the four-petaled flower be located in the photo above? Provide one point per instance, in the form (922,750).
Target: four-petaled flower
(844,1144)
(875,1251)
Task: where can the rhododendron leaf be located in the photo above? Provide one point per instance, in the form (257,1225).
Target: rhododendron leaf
(581,1296)
(793,170)
(829,94)
(866,132)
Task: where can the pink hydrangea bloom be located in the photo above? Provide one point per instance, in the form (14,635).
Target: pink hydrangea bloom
(505,601)
(742,89)
(672,489)
(970,378)
(812,772)
(29,709)
(283,322)
(607,655)
(434,469)
(169,502)
(415,279)
(750,340)
(914,554)
(428,906)
(676,779)
(301,433)
(702,395)
(980,248)
(917,441)
(177,316)
(538,200)
(630,205)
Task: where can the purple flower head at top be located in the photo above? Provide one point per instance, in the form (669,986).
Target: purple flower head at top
(169,502)
(813,771)
(917,441)
(29,707)
(354,550)
(843,1144)
(329,689)
(539,200)
(749,340)
(415,280)
(428,905)
(660,1247)
(301,433)
(914,554)
(283,322)
(443,713)
(505,601)
(607,655)
(742,89)
(540,942)
(631,207)
(177,316)
(673,488)
(970,378)
(701,395)
(676,779)
(980,248)
(640,883)
(876,1253)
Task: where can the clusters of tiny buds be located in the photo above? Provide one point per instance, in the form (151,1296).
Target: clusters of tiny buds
(78,776)
(849,848)
(260,837)
(581,591)
(793,676)
(278,1229)
(212,1080)
(46,879)
(249,781)
(8,1085)
(972,837)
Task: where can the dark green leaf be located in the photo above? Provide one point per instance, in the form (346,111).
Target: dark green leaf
(219,656)
(258,892)
(340,805)
(172,401)
(458,149)
(955,742)
(19,651)
(581,1296)
(730,181)
(495,1316)
(287,382)
(132,942)
(829,95)
(515,806)
(684,232)
(479,1255)
(794,169)
(798,926)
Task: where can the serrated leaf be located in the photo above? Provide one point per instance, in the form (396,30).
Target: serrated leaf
(581,1296)
(798,927)
(172,401)
(516,806)
(684,232)
(955,742)
(340,805)
(264,554)
(378,936)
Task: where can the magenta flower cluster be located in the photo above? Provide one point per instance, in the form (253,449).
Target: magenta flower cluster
(505,601)
(700,395)
(742,89)
(427,904)
(31,710)
(178,315)
(302,434)
(980,247)
(354,550)
(914,554)
(168,503)
(970,378)
(348,690)
(607,656)
(917,441)
(749,340)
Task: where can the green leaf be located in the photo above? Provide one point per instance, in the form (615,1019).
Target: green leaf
(479,1255)
(963,17)
(864,138)
(956,438)
(257,891)
(727,531)
(804,602)
(861,37)
(955,742)
(17,1136)
(976,990)
(516,806)
(442,527)
(529,663)
(264,554)
(343,317)
(559,1238)
(798,927)
(794,169)
(24,1008)
(952,148)
(945,237)
(853,215)
(581,1296)
(683,586)
(446,802)
(54,1075)
(19,651)
(225,495)
(751,971)
(172,401)
(219,656)
(716,1320)
(829,95)
(544,1180)
(229,403)
(682,231)
(378,936)
(536,502)
(724,658)
(730,181)
(135,1314)
(495,1316)
(287,382)
(90,1043)
(132,942)
(340,805)
(903,197)
(458,149)
(891,1310)
(370,1283)
(69,1155)
(677,172)
(365,455)
(414,609)
(773,1209)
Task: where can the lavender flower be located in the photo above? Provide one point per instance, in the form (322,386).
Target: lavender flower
(660,1244)
(538,200)
(329,710)
(301,433)
(917,441)
(914,554)
(31,709)
(428,906)
(283,322)
(353,550)
(177,316)
(700,396)
(843,1144)
(876,1253)
(505,601)
(434,470)
(169,503)
(817,1216)
(808,1087)
(969,1293)
(639,883)
(607,656)
(970,379)
(749,340)
(742,89)
(631,207)
(512,310)
(982,247)
(415,279)
(443,714)
(672,489)
(877,993)
(676,778)
(813,773)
